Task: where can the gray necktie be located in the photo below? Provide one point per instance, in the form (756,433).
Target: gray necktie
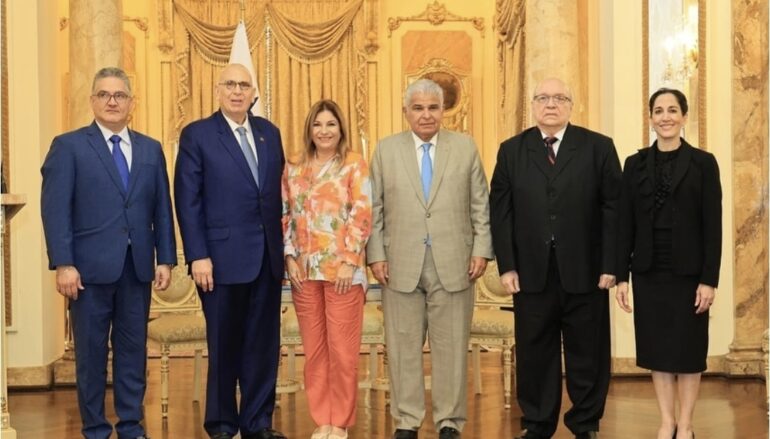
(251,159)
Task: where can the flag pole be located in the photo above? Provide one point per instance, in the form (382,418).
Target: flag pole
(243,11)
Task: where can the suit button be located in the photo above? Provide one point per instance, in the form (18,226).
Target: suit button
(259,227)
(553,217)
(427,215)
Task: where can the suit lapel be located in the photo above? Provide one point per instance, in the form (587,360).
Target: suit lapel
(409,158)
(138,156)
(262,152)
(650,165)
(537,153)
(567,149)
(99,145)
(681,165)
(230,143)
(442,157)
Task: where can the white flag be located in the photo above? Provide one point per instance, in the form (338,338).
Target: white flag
(240,54)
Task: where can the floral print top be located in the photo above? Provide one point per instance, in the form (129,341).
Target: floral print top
(327,218)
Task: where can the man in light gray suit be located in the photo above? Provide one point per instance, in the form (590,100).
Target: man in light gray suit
(430,241)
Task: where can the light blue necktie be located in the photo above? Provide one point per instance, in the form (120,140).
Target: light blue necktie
(427,170)
(251,159)
(120,160)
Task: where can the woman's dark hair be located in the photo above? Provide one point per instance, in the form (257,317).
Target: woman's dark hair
(680,98)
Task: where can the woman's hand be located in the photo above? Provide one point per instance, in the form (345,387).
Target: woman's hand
(704,298)
(295,272)
(344,278)
(621,295)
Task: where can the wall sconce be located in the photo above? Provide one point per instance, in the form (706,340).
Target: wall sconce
(682,49)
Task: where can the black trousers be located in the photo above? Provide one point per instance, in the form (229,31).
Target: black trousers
(544,320)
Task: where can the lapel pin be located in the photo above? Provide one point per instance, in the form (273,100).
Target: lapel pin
(261,139)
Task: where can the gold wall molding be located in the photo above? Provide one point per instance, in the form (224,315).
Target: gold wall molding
(436,14)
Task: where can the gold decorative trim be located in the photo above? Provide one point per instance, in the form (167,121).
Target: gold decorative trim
(140,23)
(645,71)
(166,26)
(702,139)
(63,23)
(436,14)
(370,15)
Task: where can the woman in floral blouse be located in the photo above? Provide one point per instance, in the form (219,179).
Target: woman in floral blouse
(327,220)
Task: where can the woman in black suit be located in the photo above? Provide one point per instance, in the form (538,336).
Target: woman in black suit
(670,239)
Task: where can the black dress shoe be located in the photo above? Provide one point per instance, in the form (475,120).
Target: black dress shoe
(526,434)
(222,435)
(265,433)
(404,434)
(587,435)
(448,433)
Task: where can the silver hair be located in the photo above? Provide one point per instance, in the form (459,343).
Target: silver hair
(424,86)
(111,72)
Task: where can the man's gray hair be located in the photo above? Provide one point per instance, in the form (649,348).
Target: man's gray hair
(111,72)
(424,86)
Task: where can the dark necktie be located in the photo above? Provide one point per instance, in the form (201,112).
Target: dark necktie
(549,141)
(120,160)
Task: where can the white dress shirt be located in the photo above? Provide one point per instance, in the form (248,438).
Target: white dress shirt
(125,141)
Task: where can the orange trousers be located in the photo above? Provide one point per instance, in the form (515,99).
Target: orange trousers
(330,325)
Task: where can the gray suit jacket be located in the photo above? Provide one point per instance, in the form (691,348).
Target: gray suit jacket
(456,215)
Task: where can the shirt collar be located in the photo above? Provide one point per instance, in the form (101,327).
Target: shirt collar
(559,134)
(234,125)
(419,142)
(107,133)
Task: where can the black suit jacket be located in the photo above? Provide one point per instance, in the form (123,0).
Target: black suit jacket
(575,202)
(696,194)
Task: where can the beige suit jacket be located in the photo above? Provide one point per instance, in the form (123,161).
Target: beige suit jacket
(455,215)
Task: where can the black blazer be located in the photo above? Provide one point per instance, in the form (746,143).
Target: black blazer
(697,209)
(575,202)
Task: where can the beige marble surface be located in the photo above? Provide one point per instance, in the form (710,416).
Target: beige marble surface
(553,49)
(96,41)
(750,147)
(30,377)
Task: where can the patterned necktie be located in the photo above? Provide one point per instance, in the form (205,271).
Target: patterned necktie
(427,170)
(549,141)
(251,159)
(120,160)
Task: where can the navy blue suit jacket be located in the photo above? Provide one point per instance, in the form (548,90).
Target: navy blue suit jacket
(88,216)
(222,213)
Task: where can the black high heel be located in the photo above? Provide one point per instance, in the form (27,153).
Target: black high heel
(673,436)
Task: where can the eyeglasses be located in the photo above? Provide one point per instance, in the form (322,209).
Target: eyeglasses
(230,85)
(104,97)
(557,99)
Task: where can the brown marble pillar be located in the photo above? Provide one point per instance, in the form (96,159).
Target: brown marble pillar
(750,185)
(96,41)
(553,46)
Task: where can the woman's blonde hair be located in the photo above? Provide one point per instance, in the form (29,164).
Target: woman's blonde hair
(310,148)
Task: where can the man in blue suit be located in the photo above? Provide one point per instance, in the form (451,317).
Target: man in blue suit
(107,217)
(228,201)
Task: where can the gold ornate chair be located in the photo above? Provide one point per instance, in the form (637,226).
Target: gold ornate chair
(492,326)
(178,325)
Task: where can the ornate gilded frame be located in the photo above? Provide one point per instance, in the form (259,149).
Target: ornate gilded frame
(701,85)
